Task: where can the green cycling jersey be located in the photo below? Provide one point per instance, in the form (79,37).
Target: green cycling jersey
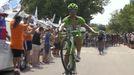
(78,23)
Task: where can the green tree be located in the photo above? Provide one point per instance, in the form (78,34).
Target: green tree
(114,24)
(87,8)
(123,20)
(59,7)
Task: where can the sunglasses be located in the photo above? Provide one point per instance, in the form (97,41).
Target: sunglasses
(72,11)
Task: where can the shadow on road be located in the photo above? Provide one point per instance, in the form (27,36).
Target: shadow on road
(7,73)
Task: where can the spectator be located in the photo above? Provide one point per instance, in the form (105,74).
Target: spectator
(47,46)
(36,46)
(57,44)
(17,30)
(28,43)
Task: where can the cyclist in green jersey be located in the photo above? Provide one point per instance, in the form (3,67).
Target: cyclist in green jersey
(74,22)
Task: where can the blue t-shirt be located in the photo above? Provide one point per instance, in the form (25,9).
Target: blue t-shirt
(47,38)
(2,28)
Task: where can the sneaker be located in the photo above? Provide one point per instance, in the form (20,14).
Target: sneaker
(77,58)
(29,66)
(16,72)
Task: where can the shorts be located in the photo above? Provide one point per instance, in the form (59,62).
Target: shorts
(36,47)
(47,48)
(28,45)
(17,52)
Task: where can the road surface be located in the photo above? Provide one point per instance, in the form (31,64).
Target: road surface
(116,61)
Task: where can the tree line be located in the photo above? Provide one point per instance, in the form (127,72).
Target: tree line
(122,21)
(46,8)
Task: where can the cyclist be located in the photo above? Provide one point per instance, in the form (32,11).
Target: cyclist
(101,41)
(74,22)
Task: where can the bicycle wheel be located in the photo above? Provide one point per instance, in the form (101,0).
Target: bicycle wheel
(72,65)
(67,58)
(63,54)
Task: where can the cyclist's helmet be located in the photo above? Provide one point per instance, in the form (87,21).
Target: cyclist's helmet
(73,6)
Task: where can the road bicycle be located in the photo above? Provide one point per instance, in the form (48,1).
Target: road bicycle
(67,52)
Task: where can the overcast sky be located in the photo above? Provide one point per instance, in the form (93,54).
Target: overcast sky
(114,5)
(2,2)
(102,18)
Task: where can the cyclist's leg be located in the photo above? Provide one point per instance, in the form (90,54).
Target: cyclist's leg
(78,44)
(66,59)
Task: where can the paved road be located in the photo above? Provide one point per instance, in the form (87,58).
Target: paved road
(116,61)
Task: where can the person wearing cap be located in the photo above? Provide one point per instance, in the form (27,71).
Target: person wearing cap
(75,22)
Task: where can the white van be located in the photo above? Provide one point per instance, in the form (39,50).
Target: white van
(6,59)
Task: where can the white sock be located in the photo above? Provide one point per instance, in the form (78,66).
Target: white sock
(78,54)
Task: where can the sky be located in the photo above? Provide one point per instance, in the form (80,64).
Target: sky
(12,3)
(101,18)
(110,8)
(2,2)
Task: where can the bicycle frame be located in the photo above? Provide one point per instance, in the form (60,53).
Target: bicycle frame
(71,44)
(70,53)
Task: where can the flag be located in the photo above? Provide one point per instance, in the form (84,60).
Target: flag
(3,2)
(60,21)
(36,13)
(36,16)
(53,18)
